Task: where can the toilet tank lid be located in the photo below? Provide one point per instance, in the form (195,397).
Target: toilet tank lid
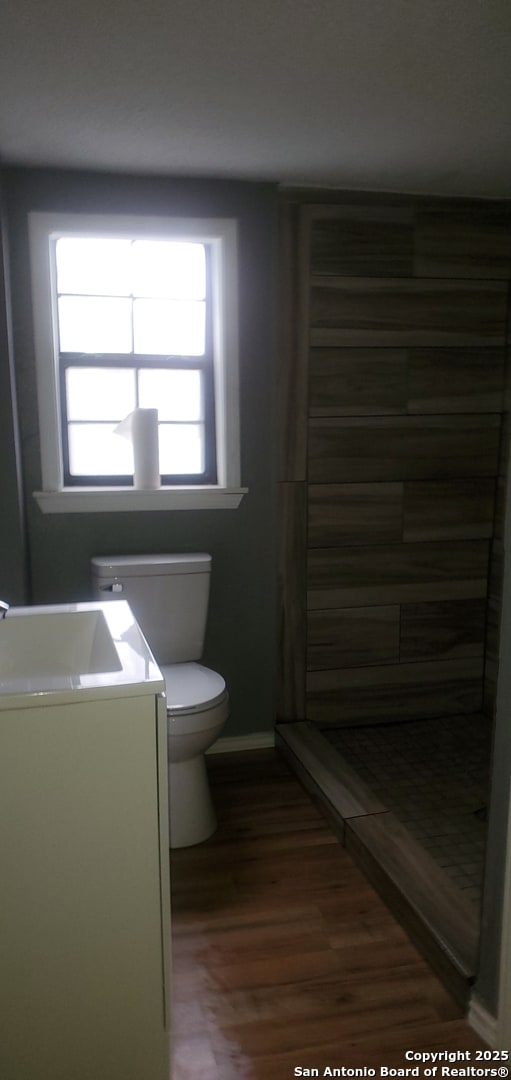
(107,566)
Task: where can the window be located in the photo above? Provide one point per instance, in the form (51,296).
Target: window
(133,313)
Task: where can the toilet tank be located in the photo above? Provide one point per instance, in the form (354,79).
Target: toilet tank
(168,595)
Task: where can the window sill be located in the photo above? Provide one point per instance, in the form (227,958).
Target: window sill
(114,499)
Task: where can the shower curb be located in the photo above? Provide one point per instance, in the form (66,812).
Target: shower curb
(440,920)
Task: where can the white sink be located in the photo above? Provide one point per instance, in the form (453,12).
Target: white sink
(70,649)
(63,643)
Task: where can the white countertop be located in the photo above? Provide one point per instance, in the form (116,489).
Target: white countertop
(135,671)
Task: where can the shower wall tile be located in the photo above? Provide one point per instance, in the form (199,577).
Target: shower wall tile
(442,631)
(455,380)
(493,630)
(500,508)
(404,311)
(352,637)
(505,444)
(466,243)
(292,374)
(491,671)
(396,356)
(396,573)
(387,381)
(394,691)
(292,601)
(349,514)
(496,570)
(449,510)
(367,241)
(403,448)
(495,584)
(357,382)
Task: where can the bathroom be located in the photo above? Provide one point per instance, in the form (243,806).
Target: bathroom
(46,557)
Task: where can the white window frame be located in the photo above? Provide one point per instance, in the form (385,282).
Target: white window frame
(221,236)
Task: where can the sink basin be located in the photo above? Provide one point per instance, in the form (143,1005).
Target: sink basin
(63,643)
(57,652)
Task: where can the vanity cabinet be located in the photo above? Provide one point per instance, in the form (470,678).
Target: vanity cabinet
(84,895)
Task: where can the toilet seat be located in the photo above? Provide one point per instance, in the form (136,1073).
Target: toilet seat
(192,688)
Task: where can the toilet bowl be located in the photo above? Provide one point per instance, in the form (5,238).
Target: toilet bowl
(168,595)
(193,725)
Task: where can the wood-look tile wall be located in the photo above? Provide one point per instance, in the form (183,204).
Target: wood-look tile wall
(392,465)
(495,576)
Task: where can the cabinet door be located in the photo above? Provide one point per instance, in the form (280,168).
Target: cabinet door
(163,815)
(81,960)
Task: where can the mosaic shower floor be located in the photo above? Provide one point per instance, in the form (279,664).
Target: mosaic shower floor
(434,775)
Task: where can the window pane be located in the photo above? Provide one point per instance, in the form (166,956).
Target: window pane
(94,450)
(94,324)
(91,265)
(169,327)
(167,268)
(100,393)
(181,448)
(176,394)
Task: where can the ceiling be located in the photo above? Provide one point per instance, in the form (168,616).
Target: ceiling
(389,95)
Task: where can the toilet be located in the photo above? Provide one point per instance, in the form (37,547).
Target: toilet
(168,594)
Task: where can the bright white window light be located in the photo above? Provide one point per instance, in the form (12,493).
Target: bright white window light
(142,298)
(164,268)
(135,311)
(100,393)
(95,450)
(176,394)
(93,266)
(181,448)
(95,324)
(169,327)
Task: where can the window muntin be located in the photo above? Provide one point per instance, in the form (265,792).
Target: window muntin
(138,332)
(96,399)
(220,237)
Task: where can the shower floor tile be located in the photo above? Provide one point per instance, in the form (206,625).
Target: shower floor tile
(434,775)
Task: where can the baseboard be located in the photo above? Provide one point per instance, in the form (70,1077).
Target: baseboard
(259,740)
(482,1022)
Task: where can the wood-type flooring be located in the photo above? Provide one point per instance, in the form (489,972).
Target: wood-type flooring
(284,956)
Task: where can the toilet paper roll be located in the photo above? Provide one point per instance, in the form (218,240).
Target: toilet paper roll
(141,428)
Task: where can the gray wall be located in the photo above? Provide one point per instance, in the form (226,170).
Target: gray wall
(12,539)
(242,625)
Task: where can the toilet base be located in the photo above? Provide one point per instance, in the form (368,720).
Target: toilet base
(191,815)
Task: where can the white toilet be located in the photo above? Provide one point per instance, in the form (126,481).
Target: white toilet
(168,595)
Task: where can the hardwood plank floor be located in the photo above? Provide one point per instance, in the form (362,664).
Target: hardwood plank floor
(283,954)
